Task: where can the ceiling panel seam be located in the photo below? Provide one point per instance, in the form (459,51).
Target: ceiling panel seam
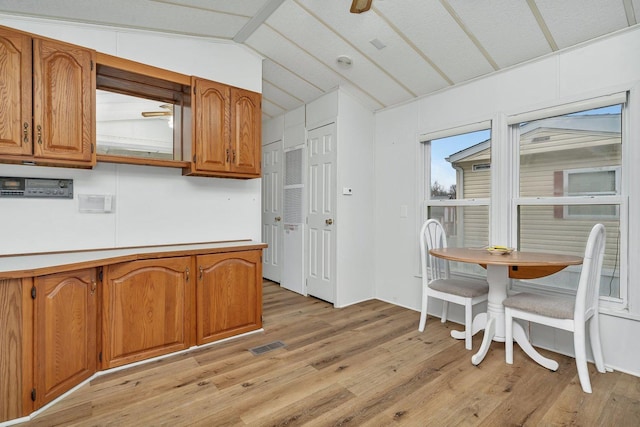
(258,19)
(189,6)
(374,62)
(469,34)
(282,89)
(630,12)
(327,66)
(542,24)
(404,37)
(258,51)
(277,105)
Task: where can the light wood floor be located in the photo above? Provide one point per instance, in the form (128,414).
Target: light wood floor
(362,365)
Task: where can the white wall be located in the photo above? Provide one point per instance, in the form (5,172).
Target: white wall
(611,64)
(153,205)
(355,219)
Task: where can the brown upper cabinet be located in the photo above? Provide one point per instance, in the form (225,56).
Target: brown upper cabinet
(52,84)
(48,112)
(226,131)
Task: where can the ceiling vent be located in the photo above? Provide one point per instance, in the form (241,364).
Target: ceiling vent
(378,44)
(541,138)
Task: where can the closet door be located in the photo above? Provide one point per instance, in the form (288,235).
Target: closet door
(293,266)
(321,215)
(272,210)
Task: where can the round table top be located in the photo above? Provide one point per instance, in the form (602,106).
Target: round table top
(482,256)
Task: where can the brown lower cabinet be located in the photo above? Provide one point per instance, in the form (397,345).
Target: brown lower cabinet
(16,340)
(65,331)
(146,308)
(229,295)
(57,330)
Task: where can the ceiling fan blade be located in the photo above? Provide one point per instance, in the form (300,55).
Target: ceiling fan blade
(359,6)
(156,113)
(168,111)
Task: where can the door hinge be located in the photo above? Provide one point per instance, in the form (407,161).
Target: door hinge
(33,394)
(33,292)
(100,357)
(194,89)
(92,149)
(100,275)
(194,158)
(91,65)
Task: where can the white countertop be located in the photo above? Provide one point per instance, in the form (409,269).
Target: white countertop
(30,262)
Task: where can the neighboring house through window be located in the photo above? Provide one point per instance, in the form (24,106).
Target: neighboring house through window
(566,174)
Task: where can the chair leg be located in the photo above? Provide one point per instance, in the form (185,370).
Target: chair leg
(423,312)
(445,310)
(508,336)
(580,349)
(596,345)
(468,328)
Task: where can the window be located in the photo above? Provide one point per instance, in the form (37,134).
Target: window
(591,182)
(139,116)
(457,187)
(569,178)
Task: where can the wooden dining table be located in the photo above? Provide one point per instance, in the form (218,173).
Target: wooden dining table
(501,268)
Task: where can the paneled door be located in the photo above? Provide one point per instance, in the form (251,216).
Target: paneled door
(272,230)
(321,214)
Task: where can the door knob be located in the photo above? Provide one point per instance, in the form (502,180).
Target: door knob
(328,221)
(277,218)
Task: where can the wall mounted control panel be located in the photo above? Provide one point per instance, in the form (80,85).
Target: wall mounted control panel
(36,188)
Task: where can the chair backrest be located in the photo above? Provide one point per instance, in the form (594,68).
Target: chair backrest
(432,236)
(588,292)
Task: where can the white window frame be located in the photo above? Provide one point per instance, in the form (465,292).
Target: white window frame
(424,187)
(621,199)
(567,172)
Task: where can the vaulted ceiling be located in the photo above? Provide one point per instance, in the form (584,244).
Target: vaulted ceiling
(398,50)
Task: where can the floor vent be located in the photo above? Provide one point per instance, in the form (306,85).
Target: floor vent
(266,348)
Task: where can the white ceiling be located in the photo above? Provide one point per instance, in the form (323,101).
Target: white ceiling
(430,44)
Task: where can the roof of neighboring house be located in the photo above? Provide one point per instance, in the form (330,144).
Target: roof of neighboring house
(605,127)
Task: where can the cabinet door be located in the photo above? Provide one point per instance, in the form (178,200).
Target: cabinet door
(63,101)
(65,332)
(145,309)
(229,294)
(210,105)
(15,96)
(245,131)
(16,351)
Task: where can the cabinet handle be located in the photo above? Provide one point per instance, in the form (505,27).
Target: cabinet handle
(39,134)
(201,272)
(187,273)
(26,132)
(234,156)
(93,287)
(227,155)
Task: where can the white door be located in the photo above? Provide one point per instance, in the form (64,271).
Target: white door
(272,231)
(321,214)
(293,276)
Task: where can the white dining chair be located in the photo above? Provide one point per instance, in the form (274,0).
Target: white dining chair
(437,283)
(570,314)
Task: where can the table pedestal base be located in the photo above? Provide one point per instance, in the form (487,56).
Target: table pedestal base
(478,324)
(498,278)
